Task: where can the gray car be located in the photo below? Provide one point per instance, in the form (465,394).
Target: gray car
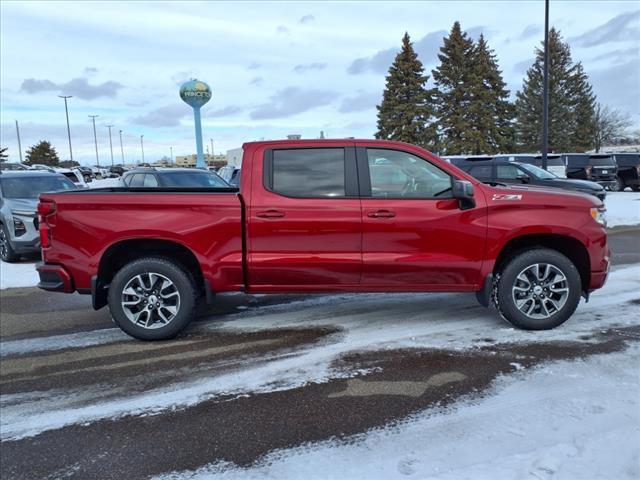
(19,192)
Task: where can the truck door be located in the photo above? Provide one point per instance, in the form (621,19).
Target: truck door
(415,237)
(304,219)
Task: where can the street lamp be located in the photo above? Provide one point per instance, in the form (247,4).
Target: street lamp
(110,144)
(545,89)
(142,147)
(95,138)
(171,157)
(19,144)
(66,111)
(121,149)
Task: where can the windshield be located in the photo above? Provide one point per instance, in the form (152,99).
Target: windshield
(538,172)
(32,187)
(192,179)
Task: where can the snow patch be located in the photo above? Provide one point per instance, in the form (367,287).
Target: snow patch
(19,274)
(623,208)
(558,421)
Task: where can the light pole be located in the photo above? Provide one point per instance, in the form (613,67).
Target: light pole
(95,138)
(19,144)
(66,111)
(545,89)
(110,144)
(142,147)
(121,149)
(211,140)
(171,157)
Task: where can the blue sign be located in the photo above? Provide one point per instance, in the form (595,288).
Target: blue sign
(196,93)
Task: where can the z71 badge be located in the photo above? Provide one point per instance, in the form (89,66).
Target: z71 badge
(506,196)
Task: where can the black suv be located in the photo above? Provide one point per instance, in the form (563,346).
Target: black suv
(597,167)
(504,171)
(628,170)
(171,177)
(555,163)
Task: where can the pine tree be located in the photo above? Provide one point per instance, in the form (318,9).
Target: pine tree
(571,102)
(406,111)
(490,114)
(453,98)
(3,154)
(44,153)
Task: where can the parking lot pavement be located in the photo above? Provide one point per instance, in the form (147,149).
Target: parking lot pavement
(262,376)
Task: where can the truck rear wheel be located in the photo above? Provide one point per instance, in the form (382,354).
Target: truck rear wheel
(538,290)
(152,298)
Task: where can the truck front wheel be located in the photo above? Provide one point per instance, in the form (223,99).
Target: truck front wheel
(538,290)
(152,298)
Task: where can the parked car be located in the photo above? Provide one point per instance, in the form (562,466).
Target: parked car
(555,162)
(230,174)
(19,191)
(628,170)
(171,177)
(72,174)
(118,170)
(40,166)
(601,168)
(312,216)
(10,166)
(510,172)
(87,173)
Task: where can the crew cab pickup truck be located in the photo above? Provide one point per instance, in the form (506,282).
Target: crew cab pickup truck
(317,216)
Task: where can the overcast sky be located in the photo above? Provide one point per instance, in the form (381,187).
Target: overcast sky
(274,68)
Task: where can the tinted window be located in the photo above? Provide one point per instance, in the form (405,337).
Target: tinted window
(32,187)
(192,179)
(481,172)
(553,161)
(309,172)
(577,161)
(606,161)
(507,172)
(628,159)
(136,180)
(150,180)
(399,174)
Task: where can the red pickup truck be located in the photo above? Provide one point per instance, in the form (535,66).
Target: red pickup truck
(318,216)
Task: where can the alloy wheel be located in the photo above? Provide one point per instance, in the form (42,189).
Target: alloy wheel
(540,290)
(150,300)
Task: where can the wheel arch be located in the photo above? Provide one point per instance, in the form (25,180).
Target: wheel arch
(120,253)
(570,247)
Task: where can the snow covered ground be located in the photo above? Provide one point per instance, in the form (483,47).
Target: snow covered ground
(21,274)
(366,322)
(623,208)
(568,420)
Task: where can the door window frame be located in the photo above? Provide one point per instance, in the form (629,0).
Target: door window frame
(364,174)
(350,173)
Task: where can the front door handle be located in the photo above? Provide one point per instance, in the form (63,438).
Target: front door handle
(270,214)
(381,214)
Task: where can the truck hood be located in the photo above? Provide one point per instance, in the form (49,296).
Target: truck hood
(576,184)
(536,194)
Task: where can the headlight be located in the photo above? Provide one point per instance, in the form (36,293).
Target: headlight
(19,228)
(24,213)
(598,214)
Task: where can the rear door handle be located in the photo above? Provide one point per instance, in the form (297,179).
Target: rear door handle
(270,214)
(381,214)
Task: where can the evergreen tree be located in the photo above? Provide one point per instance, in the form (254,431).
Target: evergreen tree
(3,154)
(453,98)
(490,114)
(406,111)
(44,153)
(571,102)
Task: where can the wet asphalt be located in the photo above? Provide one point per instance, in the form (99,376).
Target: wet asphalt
(237,428)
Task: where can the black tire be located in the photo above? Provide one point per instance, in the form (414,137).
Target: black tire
(181,282)
(7,253)
(508,283)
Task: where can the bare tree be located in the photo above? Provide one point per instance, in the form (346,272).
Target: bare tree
(609,124)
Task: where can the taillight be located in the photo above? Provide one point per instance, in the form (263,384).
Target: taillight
(589,169)
(46,210)
(638,169)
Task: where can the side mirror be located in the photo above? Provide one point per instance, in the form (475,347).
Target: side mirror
(523,178)
(463,192)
